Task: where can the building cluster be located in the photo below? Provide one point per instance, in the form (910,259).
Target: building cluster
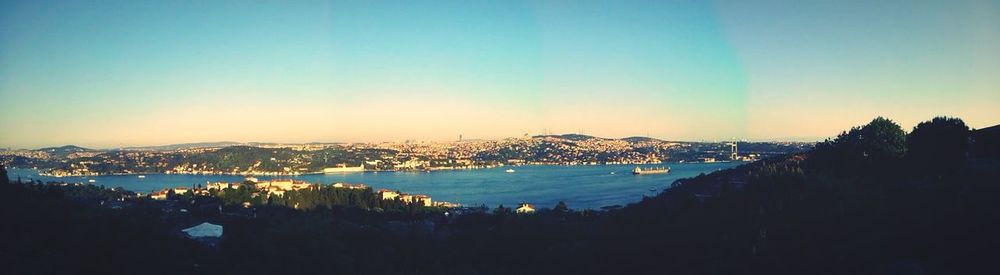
(525,208)
(34,154)
(278,187)
(275,187)
(300,159)
(165,193)
(386,194)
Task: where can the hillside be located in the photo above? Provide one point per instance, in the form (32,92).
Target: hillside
(66,151)
(573,137)
(181,146)
(642,139)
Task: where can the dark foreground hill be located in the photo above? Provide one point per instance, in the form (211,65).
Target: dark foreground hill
(867,202)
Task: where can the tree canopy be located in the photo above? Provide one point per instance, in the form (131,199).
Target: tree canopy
(942,141)
(3,175)
(878,141)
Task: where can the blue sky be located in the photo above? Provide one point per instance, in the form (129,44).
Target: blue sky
(111,73)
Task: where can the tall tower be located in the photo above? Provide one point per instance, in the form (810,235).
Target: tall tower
(734,150)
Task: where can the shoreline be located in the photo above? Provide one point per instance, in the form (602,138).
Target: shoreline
(111,180)
(277,174)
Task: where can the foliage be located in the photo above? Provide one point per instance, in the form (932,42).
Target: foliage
(560,207)
(3,175)
(880,140)
(52,229)
(941,142)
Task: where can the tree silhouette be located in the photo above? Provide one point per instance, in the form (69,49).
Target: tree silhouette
(3,175)
(882,139)
(561,207)
(878,141)
(942,142)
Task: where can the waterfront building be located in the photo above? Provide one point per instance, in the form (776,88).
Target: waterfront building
(525,208)
(221,185)
(412,164)
(406,198)
(343,168)
(159,195)
(423,200)
(349,186)
(445,204)
(283,184)
(387,194)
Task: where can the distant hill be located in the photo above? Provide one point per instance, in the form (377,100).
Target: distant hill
(573,137)
(581,137)
(180,146)
(62,151)
(641,139)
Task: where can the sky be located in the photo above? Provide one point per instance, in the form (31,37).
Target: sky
(126,73)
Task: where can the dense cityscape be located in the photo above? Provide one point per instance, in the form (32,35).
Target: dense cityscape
(296,159)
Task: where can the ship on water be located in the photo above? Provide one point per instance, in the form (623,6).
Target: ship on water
(654,170)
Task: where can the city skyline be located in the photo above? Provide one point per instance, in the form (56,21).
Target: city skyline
(143,73)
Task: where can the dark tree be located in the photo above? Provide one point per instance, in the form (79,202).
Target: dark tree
(502,211)
(3,175)
(878,141)
(883,139)
(561,207)
(942,142)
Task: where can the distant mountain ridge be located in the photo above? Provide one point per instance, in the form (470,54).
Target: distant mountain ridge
(641,139)
(573,137)
(582,137)
(180,146)
(65,150)
(69,148)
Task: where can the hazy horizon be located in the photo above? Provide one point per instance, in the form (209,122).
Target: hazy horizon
(147,73)
(103,147)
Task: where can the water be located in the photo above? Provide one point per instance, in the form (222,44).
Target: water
(580,187)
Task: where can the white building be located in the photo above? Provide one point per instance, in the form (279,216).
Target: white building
(525,208)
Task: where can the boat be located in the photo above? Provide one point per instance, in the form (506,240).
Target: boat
(142,176)
(509,171)
(654,170)
(91,180)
